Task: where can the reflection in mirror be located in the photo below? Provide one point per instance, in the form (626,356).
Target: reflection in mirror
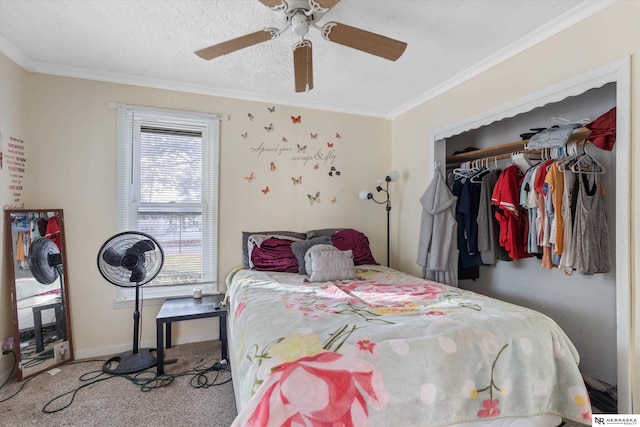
(39,289)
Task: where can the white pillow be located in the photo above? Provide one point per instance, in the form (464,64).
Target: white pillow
(326,262)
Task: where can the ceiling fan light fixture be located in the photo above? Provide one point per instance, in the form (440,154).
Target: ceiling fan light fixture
(300,24)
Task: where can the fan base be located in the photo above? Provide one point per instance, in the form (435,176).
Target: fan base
(130,362)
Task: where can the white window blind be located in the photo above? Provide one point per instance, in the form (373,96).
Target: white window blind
(167,187)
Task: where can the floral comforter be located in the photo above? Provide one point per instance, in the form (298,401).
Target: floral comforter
(391,349)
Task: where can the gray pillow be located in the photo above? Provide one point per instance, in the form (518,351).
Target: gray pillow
(300,248)
(328,263)
(322,232)
(245,238)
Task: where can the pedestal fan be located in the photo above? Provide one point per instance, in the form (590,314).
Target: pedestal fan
(131,259)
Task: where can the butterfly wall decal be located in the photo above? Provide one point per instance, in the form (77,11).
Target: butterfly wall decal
(314,199)
(272,166)
(245,135)
(296,119)
(301,149)
(333,171)
(250,116)
(338,135)
(265,190)
(269,128)
(251,177)
(330,144)
(316,166)
(296,181)
(333,200)
(284,139)
(272,109)
(313,135)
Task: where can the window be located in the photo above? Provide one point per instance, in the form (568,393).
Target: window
(167,187)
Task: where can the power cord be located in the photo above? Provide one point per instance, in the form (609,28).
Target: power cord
(13,370)
(147,380)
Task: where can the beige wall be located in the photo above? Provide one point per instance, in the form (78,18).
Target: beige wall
(611,34)
(13,123)
(73,167)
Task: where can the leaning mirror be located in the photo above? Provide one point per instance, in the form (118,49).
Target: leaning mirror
(39,289)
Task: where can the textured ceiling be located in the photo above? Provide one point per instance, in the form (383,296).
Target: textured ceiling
(151,43)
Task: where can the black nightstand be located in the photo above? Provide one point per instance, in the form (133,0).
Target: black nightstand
(178,309)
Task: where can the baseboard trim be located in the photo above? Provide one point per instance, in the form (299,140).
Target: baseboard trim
(108,351)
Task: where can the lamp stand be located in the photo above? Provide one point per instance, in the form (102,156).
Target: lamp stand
(368,196)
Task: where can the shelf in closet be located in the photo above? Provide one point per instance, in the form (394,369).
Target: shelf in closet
(504,151)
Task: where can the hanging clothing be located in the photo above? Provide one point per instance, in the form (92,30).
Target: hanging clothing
(567,250)
(603,130)
(555,180)
(511,218)
(53,231)
(468,206)
(437,252)
(529,202)
(468,263)
(487,224)
(22,250)
(592,253)
(42,226)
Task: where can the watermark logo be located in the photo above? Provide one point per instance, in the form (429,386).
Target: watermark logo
(630,420)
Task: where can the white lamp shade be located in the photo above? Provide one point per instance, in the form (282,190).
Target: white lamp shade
(393,176)
(364,195)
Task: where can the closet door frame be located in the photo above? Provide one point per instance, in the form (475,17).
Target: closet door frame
(627,302)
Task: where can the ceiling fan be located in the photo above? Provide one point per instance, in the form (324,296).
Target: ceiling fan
(300,15)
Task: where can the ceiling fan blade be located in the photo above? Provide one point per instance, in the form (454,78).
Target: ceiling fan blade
(235,44)
(303,65)
(356,38)
(327,4)
(271,3)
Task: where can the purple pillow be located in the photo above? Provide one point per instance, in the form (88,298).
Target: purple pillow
(247,234)
(357,242)
(274,255)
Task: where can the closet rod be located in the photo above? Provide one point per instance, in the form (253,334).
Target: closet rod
(456,160)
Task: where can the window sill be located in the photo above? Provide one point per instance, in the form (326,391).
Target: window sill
(157,296)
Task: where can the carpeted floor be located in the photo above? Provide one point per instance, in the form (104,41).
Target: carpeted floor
(82,395)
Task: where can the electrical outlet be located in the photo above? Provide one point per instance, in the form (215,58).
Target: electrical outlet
(7,344)
(61,351)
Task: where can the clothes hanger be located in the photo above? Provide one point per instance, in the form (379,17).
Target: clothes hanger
(482,171)
(586,164)
(465,170)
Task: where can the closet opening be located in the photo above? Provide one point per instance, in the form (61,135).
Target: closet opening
(593,309)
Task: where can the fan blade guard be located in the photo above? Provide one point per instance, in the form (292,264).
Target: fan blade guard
(303,66)
(238,43)
(365,41)
(130,258)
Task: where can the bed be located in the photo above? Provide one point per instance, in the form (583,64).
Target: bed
(386,348)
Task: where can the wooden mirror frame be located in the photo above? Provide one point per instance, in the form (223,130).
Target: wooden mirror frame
(43,363)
